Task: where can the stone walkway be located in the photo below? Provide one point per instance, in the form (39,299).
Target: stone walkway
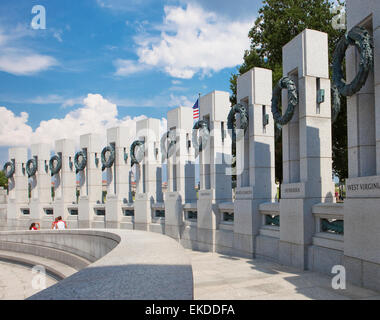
(221,277)
(217,276)
(16,282)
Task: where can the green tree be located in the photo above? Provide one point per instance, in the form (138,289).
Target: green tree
(279,21)
(3,180)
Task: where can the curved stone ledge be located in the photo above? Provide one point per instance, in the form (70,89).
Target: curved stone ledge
(128,264)
(54,269)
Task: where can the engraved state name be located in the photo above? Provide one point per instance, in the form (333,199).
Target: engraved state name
(292,190)
(363,186)
(243,192)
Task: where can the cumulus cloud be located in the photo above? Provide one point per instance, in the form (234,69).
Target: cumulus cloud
(192,40)
(14,129)
(127,67)
(241,9)
(16,59)
(21,62)
(95,116)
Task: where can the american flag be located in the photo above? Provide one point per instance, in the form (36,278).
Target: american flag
(196,110)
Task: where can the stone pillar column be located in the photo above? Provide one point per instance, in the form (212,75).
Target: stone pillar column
(65,179)
(40,182)
(118,184)
(214,160)
(361,207)
(256,175)
(3,207)
(90,180)
(180,171)
(150,184)
(307,164)
(17,187)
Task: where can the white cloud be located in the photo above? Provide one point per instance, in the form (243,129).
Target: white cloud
(162,100)
(192,40)
(16,59)
(96,115)
(232,9)
(46,99)
(21,62)
(14,129)
(182,101)
(127,67)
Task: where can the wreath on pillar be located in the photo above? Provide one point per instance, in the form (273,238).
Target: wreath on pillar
(80,165)
(9,169)
(170,138)
(204,135)
(134,159)
(31,167)
(55,169)
(231,121)
(284,83)
(362,40)
(108,163)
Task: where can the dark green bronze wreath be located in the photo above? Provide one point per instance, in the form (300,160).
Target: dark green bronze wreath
(204,134)
(9,173)
(132,152)
(231,121)
(111,159)
(362,40)
(170,139)
(31,167)
(80,165)
(58,167)
(284,83)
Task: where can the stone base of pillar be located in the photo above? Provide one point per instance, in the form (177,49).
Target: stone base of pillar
(173,215)
(243,245)
(293,255)
(36,209)
(72,222)
(99,222)
(61,209)
(13,210)
(143,211)
(247,221)
(361,232)
(114,212)
(207,220)
(297,229)
(86,213)
(206,240)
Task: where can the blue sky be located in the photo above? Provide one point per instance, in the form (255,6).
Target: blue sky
(101,63)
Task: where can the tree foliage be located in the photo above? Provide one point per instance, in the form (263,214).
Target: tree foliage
(278,22)
(3,180)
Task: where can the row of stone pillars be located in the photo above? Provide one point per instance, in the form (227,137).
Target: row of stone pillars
(307,165)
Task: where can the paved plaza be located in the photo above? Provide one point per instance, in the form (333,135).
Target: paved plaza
(220,277)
